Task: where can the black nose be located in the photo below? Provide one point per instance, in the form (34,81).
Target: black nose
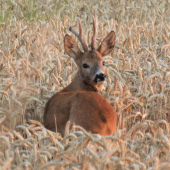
(100,77)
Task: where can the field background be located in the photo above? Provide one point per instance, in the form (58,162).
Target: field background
(33,66)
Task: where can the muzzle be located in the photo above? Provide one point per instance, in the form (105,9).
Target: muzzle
(100,77)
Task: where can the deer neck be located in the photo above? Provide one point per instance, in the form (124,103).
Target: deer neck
(78,84)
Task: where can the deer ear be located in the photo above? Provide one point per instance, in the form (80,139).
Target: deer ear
(71,47)
(107,44)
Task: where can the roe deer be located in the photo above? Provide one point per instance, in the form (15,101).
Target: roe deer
(79,102)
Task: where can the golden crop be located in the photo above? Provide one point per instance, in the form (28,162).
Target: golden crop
(33,66)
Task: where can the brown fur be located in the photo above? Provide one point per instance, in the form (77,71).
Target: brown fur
(87,109)
(79,102)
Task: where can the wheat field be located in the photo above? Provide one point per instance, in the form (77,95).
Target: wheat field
(34,66)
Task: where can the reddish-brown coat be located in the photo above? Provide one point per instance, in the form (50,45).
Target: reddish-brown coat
(87,109)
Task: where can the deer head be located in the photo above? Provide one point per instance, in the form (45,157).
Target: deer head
(91,65)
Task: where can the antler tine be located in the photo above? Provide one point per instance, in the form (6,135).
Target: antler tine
(80,29)
(95,25)
(80,37)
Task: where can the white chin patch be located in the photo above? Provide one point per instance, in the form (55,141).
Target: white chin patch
(100,82)
(100,86)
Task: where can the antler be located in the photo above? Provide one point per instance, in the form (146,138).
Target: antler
(95,25)
(80,37)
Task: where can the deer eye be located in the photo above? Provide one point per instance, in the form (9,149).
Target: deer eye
(103,63)
(86,66)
